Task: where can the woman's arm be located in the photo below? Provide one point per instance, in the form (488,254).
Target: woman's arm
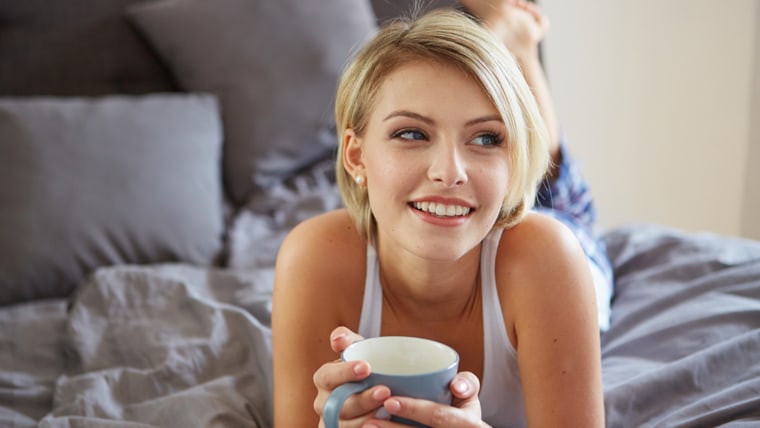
(319,285)
(553,308)
(310,299)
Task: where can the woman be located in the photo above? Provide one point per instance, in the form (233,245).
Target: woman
(442,149)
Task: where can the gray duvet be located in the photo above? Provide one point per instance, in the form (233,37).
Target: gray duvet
(180,346)
(160,346)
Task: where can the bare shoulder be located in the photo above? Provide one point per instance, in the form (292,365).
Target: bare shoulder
(321,256)
(540,243)
(542,268)
(318,238)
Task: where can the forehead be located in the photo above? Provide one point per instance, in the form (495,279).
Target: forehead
(431,86)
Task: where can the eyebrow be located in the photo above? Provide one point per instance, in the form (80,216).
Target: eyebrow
(429,121)
(409,114)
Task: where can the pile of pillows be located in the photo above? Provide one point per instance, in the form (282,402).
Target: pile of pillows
(136,178)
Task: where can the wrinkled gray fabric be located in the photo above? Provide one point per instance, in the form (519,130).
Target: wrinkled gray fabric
(31,345)
(167,346)
(255,236)
(684,346)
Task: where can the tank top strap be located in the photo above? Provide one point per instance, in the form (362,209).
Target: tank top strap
(372,303)
(494,331)
(500,393)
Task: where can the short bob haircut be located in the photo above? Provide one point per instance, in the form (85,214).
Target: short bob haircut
(448,37)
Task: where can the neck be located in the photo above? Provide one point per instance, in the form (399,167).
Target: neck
(429,290)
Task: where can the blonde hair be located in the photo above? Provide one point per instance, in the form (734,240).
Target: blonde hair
(449,37)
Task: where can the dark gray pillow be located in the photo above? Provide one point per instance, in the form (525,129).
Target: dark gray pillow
(75,48)
(89,182)
(274,66)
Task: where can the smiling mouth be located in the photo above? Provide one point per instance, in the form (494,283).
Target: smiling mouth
(441,210)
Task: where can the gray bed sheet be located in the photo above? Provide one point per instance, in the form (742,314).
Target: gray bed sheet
(181,346)
(683,349)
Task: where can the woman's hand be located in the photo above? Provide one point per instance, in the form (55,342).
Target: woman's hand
(464,411)
(358,408)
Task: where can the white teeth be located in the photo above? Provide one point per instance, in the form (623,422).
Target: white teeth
(442,210)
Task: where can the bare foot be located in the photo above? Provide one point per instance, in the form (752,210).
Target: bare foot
(520,24)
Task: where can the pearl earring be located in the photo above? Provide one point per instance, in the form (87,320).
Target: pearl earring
(359,179)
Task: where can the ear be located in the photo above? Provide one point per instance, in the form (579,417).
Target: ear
(352,153)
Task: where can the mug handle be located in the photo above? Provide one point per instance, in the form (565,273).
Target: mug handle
(339,395)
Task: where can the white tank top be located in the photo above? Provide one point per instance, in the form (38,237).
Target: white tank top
(501,397)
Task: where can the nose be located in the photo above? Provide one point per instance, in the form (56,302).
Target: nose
(447,164)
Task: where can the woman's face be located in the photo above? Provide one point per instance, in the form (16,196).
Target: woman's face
(434,155)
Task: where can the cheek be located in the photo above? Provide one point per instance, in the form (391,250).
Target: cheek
(495,181)
(387,172)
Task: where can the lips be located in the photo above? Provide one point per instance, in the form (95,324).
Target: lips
(442,209)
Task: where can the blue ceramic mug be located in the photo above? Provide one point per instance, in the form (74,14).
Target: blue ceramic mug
(409,366)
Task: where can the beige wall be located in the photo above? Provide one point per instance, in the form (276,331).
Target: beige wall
(656,98)
(751,212)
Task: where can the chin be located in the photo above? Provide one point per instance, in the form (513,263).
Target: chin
(444,250)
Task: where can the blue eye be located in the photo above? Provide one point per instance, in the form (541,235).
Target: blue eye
(488,140)
(410,134)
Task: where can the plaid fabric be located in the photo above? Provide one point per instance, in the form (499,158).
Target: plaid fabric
(568,199)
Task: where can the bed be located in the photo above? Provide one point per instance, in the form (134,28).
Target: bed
(148,174)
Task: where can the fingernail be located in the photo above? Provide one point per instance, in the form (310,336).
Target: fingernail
(461,387)
(392,405)
(380,394)
(360,369)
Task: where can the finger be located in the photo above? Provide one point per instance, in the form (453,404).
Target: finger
(330,375)
(341,337)
(430,413)
(358,408)
(464,386)
(365,405)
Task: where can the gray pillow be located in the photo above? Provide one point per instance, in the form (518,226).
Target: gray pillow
(75,48)
(274,66)
(89,182)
